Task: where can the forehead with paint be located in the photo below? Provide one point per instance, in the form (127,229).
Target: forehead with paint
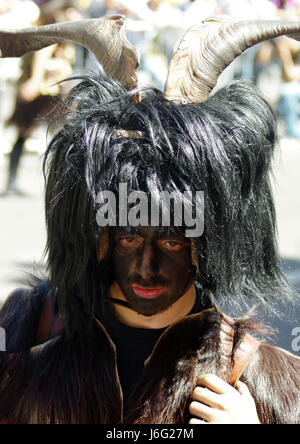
(152,266)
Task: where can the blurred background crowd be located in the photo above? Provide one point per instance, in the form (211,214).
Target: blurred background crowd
(29,89)
(155,28)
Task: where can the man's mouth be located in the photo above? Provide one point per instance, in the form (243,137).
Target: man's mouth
(147,293)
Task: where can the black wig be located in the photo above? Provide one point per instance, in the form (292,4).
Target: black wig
(223,147)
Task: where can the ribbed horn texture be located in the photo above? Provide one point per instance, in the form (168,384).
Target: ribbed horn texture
(105,37)
(208,48)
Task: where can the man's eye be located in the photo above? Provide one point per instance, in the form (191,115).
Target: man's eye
(127,241)
(172,245)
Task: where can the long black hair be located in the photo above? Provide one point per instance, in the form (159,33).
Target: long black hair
(223,147)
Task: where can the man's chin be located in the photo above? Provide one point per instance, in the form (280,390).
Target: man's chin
(149,312)
(149,307)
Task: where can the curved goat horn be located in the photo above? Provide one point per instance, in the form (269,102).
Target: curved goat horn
(105,37)
(208,48)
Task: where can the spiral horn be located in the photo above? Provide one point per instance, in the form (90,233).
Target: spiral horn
(206,49)
(105,37)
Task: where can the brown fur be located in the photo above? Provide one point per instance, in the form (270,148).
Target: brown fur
(192,347)
(66,380)
(74,380)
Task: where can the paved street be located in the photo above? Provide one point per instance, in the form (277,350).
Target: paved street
(22,226)
(22,229)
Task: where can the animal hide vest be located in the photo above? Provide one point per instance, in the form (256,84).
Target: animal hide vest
(74,380)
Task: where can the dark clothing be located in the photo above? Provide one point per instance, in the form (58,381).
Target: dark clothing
(117,360)
(135,345)
(50,377)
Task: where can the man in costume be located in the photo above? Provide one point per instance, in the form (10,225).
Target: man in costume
(125,329)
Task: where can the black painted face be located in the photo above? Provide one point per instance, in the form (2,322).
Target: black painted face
(153,268)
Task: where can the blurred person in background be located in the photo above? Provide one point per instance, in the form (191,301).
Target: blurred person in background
(13,14)
(278,71)
(288,105)
(245,65)
(166,20)
(289,54)
(40,71)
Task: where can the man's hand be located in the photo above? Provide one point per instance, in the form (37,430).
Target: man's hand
(216,402)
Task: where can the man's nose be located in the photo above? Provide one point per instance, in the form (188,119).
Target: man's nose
(148,261)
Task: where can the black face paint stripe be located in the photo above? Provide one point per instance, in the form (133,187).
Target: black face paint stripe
(125,304)
(118,301)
